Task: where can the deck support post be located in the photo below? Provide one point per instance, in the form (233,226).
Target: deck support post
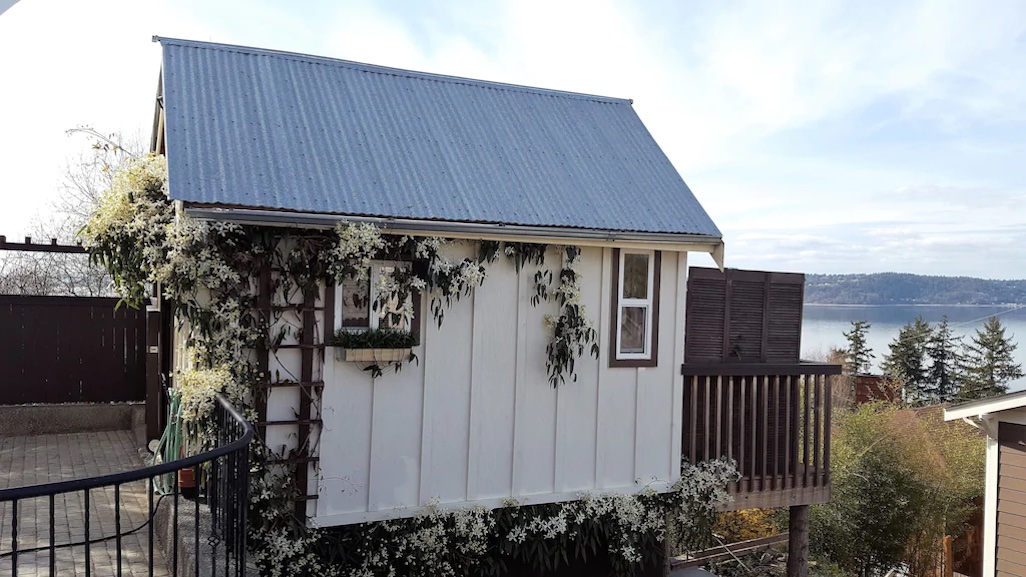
(798,542)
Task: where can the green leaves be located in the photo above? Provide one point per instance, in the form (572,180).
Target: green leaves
(901,480)
(376,339)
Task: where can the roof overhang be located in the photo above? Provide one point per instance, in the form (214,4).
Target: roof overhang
(471,230)
(985,407)
(982,413)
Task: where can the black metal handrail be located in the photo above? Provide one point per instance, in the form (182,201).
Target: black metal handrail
(225,490)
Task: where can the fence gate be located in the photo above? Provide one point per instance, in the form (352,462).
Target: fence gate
(70,350)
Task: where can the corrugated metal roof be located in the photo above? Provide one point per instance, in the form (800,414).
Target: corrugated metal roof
(258,128)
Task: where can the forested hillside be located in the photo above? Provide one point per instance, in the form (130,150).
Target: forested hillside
(909,289)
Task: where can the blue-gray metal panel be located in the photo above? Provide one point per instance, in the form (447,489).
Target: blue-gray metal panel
(253,128)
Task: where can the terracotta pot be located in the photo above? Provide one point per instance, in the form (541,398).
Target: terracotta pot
(187,485)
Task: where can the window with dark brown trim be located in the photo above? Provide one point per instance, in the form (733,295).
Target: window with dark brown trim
(634,332)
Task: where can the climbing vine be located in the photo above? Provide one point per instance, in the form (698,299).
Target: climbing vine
(447,281)
(210,271)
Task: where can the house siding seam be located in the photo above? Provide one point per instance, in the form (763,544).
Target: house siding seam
(260,129)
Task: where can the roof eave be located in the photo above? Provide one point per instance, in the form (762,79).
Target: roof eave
(472,230)
(983,408)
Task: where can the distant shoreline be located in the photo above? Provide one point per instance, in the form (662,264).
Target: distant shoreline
(901,289)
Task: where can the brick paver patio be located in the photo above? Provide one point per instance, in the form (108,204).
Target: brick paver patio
(47,458)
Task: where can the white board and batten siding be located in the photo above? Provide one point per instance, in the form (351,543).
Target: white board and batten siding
(476,421)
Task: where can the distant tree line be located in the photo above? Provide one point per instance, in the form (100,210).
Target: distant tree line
(929,364)
(909,289)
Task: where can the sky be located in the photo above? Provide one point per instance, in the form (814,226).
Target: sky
(821,136)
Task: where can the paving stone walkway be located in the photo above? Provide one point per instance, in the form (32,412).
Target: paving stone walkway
(47,458)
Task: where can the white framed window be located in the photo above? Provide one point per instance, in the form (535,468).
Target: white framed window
(636,282)
(355,301)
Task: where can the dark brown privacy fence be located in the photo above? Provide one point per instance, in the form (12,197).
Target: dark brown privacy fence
(70,349)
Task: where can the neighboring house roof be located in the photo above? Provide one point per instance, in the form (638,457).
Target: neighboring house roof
(255,128)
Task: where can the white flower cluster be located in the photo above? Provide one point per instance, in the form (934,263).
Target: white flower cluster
(569,289)
(196,389)
(427,248)
(425,545)
(124,209)
(461,275)
(191,261)
(283,554)
(394,297)
(428,544)
(357,246)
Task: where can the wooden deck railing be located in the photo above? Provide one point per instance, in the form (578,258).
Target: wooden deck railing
(773,419)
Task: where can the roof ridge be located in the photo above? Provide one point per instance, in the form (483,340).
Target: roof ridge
(390,71)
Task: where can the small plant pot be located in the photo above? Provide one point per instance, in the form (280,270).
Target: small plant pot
(372,355)
(187,482)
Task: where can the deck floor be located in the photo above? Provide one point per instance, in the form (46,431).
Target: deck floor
(30,460)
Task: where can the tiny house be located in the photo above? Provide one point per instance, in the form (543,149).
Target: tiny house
(691,363)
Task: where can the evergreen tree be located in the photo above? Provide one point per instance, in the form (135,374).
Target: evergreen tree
(858,357)
(906,362)
(988,363)
(943,351)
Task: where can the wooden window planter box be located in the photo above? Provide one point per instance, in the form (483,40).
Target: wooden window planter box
(372,355)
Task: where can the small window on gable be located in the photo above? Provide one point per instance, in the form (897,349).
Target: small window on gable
(635,304)
(355,301)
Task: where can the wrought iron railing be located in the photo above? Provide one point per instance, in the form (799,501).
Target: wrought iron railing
(202,534)
(773,420)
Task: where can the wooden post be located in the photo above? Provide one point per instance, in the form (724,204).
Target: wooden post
(798,542)
(949,557)
(154,394)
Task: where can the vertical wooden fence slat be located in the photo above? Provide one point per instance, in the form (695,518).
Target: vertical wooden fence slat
(718,451)
(706,437)
(764,392)
(730,418)
(787,484)
(753,440)
(806,463)
(828,401)
(693,421)
(742,417)
(817,447)
(776,433)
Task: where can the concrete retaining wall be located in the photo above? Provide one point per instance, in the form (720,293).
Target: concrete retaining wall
(18,420)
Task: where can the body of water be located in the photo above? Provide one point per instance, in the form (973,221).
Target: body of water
(823,326)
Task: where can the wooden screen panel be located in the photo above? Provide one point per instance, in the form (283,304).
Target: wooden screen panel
(705,313)
(743,316)
(747,309)
(1011,512)
(784,322)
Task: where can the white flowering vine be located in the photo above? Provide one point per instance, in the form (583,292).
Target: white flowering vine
(210,269)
